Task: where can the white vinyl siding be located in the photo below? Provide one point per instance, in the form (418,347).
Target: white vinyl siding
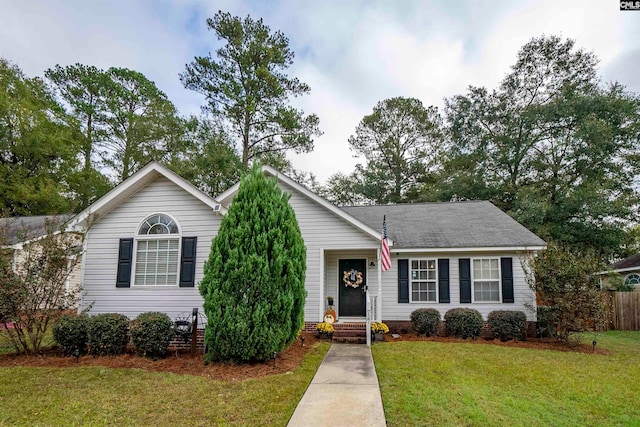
(323,231)
(423,280)
(392,310)
(485,280)
(101,258)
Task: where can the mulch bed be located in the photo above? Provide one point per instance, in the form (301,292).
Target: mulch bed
(287,361)
(181,363)
(534,343)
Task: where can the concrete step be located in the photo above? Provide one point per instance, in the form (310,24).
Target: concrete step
(349,339)
(350,332)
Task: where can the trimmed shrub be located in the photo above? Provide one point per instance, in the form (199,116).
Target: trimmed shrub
(507,324)
(426,321)
(108,334)
(70,332)
(151,334)
(463,322)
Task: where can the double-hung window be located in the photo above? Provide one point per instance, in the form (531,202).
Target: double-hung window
(486,280)
(423,280)
(157,252)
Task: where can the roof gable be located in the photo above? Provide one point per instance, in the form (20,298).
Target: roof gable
(225,199)
(149,173)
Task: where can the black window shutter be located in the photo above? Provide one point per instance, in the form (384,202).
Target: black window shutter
(443,281)
(125,254)
(403,280)
(188,262)
(465,280)
(506,265)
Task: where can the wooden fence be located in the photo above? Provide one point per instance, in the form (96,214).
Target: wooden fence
(625,313)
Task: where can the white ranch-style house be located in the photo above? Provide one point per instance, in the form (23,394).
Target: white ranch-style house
(148,239)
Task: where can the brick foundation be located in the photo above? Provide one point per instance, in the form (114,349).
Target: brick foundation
(404,327)
(178,343)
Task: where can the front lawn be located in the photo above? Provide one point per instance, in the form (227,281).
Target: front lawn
(132,397)
(447,384)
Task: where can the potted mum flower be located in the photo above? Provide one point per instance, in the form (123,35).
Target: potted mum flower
(378,329)
(324,330)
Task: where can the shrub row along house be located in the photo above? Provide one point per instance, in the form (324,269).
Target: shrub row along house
(147,241)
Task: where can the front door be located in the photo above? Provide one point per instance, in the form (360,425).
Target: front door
(351,282)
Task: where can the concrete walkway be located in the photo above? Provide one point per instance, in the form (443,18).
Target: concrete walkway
(344,391)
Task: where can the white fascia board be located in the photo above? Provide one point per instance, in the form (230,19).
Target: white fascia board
(134,179)
(485,249)
(228,192)
(620,270)
(311,195)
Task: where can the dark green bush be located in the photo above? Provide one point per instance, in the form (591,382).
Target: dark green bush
(463,322)
(70,332)
(151,334)
(426,321)
(253,284)
(108,334)
(507,324)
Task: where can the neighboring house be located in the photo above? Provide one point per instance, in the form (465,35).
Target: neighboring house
(627,269)
(150,237)
(20,232)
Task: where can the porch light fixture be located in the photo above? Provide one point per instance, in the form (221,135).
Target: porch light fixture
(372,264)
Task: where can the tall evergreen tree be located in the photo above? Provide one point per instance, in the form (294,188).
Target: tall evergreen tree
(253,285)
(37,149)
(246,86)
(401,141)
(84,89)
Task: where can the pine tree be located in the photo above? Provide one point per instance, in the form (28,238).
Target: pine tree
(253,285)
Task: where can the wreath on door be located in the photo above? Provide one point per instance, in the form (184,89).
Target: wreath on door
(352,278)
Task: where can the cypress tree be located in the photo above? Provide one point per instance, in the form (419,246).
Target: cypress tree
(253,285)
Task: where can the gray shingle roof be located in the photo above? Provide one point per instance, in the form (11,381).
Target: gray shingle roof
(630,262)
(23,228)
(446,225)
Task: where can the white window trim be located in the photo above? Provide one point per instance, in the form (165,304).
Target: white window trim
(147,237)
(411,301)
(473,284)
(635,273)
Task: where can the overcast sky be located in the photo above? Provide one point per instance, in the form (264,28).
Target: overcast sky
(351,53)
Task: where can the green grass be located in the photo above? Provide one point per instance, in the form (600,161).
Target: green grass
(97,396)
(7,347)
(450,384)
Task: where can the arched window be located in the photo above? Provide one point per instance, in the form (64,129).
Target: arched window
(632,279)
(157,251)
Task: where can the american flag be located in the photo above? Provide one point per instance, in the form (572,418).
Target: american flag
(385,255)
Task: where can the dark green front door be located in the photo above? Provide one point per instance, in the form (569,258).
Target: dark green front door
(351,282)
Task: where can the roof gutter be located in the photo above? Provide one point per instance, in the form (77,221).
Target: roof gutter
(473,249)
